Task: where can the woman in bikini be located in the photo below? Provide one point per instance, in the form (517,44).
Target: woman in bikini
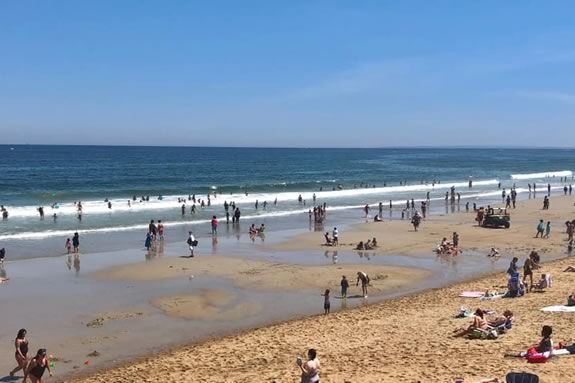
(479,323)
(37,367)
(21,344)
(309,369)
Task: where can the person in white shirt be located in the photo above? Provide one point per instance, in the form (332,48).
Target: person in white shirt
(192,243)
(335,234)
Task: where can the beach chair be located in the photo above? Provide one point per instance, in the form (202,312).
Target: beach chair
(521,377)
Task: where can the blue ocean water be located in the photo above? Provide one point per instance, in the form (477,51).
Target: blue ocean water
(33,176)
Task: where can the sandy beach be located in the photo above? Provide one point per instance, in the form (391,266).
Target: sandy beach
(406,339)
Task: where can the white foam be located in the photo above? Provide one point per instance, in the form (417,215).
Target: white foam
(398,204)
(528,176)
(171,202)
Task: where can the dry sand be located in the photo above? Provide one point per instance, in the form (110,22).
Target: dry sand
(401,340)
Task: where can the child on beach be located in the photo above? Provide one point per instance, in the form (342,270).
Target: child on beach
(326,303)
(69,245)
(540,229)
(344,286)
(547,229)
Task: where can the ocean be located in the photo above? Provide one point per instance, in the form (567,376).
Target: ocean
(55,177)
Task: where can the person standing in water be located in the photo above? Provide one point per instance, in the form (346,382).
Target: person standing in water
(21,355)
(148,242)
(361,276)
(76,242)
(37,366)
(326,303)
(191,243)
(68,246)
(344,286)
(161,229)
(214,225)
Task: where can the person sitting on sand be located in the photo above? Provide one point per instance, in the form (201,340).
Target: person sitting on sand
(360,246)
(478,323)
(493,253)
(503,320)
(374,242)
(361,276)
(367,245)
(377,218)
(543,349)
(571,300)
(309,369)
(328,241)
(543,282)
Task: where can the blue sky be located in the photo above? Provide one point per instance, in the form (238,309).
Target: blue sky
(288,73)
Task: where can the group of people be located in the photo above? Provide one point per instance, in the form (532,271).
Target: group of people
(370,244)
(449,248)
(334,240)
(517,286)
(33,368)
(154,231)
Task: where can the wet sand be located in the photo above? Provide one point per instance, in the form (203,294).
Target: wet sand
(398,236)
(247,273)
(408,339)
(405,339)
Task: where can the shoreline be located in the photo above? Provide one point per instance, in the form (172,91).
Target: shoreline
(176,352)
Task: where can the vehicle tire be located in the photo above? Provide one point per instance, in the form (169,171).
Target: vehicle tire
(507,225)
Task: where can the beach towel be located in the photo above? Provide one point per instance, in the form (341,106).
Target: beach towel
(472,294)
(521,377)
(559,309)
(491,297)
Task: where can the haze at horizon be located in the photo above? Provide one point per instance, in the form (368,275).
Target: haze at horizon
(297,74)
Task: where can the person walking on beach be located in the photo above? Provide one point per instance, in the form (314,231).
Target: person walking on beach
(192,243)
(326,303)
(540,229)
(344,286)
(361,276)
(335,235)
(416,220)
(37,367)
(548,229)
(76,242)
(310,369)
(214,225)
(21,355)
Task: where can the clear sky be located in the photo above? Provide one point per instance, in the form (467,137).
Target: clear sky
(288,73)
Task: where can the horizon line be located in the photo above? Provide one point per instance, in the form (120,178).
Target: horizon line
(449,147)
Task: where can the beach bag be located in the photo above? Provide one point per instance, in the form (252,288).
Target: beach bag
(521,377)
(195,243)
